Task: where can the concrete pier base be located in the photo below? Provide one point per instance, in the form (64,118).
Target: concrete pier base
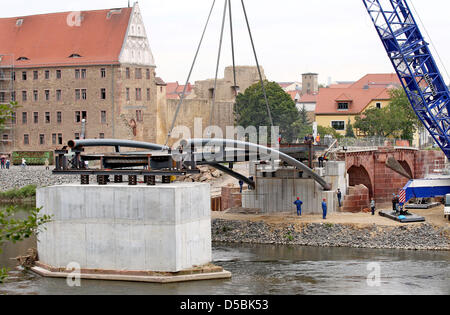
(119,228)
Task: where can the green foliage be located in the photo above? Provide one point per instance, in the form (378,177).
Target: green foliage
(22,193)
(32,158)
(16,230)
(324,131)
(349,133)
(251,110)
(289,237)
(396,120)
(6,111)
(303,124)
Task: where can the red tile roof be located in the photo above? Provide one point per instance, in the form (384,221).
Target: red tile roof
(48,39)
(359,99)
(309,98)
(360,94)
(174,90)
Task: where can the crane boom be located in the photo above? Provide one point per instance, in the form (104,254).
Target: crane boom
(415,66)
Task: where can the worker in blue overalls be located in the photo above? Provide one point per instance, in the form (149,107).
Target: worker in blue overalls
(324,209)
(299,204)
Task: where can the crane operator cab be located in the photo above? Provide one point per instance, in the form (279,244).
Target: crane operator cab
(447,207)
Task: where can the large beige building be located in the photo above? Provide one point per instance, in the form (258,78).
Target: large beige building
(66,68)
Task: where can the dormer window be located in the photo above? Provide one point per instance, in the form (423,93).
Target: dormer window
(343,106)
(19,22)
(75,56)
(22,59)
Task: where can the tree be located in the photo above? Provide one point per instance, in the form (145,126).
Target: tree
(250,110)
(349,133)
(397,120)
(303,124)
(6,111)
(16,230)
(324,131)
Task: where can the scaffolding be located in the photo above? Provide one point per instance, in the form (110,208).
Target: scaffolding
(7,94)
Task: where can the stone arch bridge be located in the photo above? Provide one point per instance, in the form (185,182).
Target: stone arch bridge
(369,167)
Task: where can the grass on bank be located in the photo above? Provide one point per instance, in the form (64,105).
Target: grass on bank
(22,193)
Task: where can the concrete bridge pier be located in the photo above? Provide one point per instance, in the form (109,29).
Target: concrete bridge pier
(156,233)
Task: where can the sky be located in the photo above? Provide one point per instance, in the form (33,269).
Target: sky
(335,38)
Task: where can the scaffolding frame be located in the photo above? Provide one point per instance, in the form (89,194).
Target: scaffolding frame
(7,79)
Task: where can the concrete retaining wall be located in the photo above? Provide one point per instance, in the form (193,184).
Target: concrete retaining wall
(163,228)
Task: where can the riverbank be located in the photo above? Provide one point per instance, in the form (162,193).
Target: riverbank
(340,230)
(17,177)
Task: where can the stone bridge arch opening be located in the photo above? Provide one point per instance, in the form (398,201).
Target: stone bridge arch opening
(358,175)
(407,168)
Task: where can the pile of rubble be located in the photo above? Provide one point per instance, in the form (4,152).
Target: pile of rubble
(207,174)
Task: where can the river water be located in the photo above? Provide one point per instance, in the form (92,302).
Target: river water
(271,270)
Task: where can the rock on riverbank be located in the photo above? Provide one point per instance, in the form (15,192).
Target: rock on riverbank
(16,177)
(413,237)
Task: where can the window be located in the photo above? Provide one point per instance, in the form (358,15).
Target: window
(59,117)
(84,94)
(13,76)
(13,96)
(77,94)
(77,73)
(54,139)
(338,125)
(58,74)
(128,94)
(2,97)
(83,73)
(103,94)
(103,73)
(148,74)
(148,94)
(35,95)
(138,73)
(41,139)
(138,94)
(60,138)
(77,136)
(139,116)
(103,117)
(26,139)
(78,117)
(5,137)
(102,136)
(24,96)
(84,115)
(127,73)
(378,105)
(24,118)
(35,75)
(47,117)
(24,75)
(13,118)
(47,95)
(36,117)
(58,95)
(47,75)
(342,106)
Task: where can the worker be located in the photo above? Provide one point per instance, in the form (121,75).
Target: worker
(339,196)
(299,204)
(324,209)
(372,206)
(46,163)
(241,185)
(318,139)
(321,165)
(394,203)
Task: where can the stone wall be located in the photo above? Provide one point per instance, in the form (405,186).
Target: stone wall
(357,199)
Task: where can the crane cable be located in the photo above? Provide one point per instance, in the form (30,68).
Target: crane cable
(189,76)
(257,64)
(218,64)
(232,50)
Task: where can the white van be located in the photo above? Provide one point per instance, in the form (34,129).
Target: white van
(447,207)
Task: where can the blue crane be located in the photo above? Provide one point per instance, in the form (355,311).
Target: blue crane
(419,74)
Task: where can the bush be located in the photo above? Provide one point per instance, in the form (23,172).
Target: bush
(32,158)
(22,193)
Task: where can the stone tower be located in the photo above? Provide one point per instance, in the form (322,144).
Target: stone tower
(310,82)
